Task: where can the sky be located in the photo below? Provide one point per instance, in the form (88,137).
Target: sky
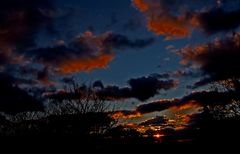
(151,55)
(125,19)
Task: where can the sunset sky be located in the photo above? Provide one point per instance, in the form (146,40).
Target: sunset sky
(150,57)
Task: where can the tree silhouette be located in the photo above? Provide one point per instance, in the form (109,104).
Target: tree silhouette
(79,98)
(86,110)
(14,100)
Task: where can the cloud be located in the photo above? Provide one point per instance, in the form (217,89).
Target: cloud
(141,88)
(125,114)
(157,121)
(177,18)
(86,52)
(88,64)
(211,98)
(160,76)
(43,75)
(218,60)
(112,92)
(20,22)
(121,41)
(186,73)
(193,100)
(28,74)
(218,19)
(160,18)
(146,87)
(159,105)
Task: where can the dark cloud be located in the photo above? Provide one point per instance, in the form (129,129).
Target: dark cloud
(20,23)
(52,55)
(157,121)
(146,87)
(21,20)
(193,100)
(85,53)
(186,73)
(218,60)
(28,74)
(115,93)
(163,75)
(159,105)
(121,41)
(211,98)
(218,19)
(202,82)
(20,75)
(140,88)
(43,75)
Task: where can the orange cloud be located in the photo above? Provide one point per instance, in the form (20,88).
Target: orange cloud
(171,27)
(88,64)
(196,54)
(176,19)
(162,22)
(141,5)
(186,106)
(189,53)
(126,115)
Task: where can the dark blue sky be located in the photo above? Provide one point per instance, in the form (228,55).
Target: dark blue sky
(115,41)
(123,18)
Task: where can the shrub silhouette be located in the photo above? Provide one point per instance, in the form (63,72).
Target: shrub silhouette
(14,100)
(77,112)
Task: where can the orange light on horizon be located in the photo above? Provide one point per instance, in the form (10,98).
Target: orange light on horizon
(158,136)
(120,114)
(186,106)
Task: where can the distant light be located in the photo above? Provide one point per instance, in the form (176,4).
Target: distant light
(157,135)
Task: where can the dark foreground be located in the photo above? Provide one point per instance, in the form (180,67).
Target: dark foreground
(88,133)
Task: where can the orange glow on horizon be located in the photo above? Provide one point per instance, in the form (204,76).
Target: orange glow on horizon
(121,115)
(158,136)
(189,105)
